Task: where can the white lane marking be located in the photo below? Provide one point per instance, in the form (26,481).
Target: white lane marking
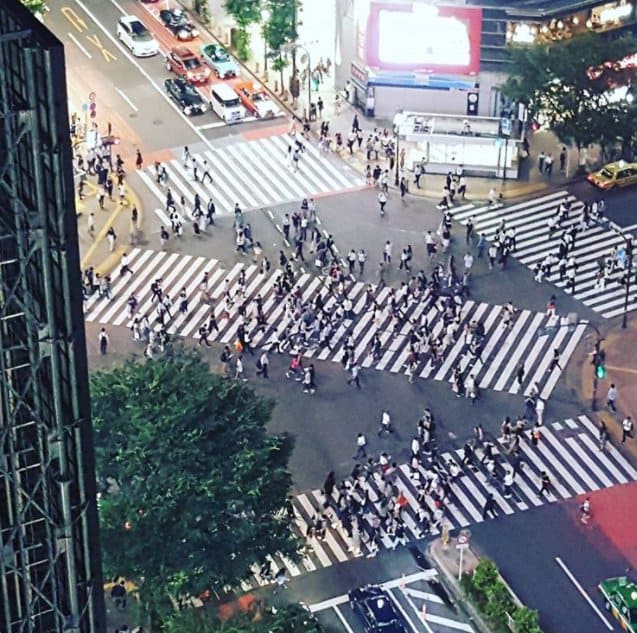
(130,103)
(409,621)
(75,41)
(423,595)
(137,65)
(341,617)
(329,603)
(586,597)
(210,126)
(390,584)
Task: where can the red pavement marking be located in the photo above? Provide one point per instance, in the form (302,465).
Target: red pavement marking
(161,155)
(264,132)
(242,604)
(614,513)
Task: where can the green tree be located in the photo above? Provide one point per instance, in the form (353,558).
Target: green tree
(38,7)
(286,619)
(281,30)
(192,483)
(526,620)
(244,12)
(485,575)
(567,83)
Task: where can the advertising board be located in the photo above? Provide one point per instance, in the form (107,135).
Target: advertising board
(420,38)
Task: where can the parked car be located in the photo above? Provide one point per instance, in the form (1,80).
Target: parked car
(184,93)
(218,58)
(257,100)
(619,174)
(182,61)
(376,610)
(136,37)
(176,20)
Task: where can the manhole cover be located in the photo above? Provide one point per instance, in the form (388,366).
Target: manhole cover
(157,122)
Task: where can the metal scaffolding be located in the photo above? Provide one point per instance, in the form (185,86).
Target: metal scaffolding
(50,570)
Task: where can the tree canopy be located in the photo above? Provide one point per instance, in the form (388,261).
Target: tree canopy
(568,83)
(291,618)
(38,7)
(192,483)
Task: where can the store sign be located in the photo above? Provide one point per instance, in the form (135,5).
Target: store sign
(359,74)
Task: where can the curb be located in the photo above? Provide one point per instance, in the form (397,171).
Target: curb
(451,583)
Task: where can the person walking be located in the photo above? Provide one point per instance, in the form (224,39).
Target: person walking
(111,237)
(238,369)
(507,483)
(627,428)
(123,265)
(385,423)
(103,341)
(555,361)
(611,398)
(382,201)
(546,486)
(361,447)
(262,364)
(603,436)
(490,507)
(139,160)
(354,375)
(539,411)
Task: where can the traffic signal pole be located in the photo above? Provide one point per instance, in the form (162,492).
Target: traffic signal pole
(598,346)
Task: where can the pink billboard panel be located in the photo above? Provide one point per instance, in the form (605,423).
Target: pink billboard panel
(421,38)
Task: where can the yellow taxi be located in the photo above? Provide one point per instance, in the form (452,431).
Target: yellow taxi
(619,174)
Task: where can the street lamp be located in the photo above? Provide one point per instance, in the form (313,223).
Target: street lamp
(265,16)
(629,273)
(292,48)
(398,121)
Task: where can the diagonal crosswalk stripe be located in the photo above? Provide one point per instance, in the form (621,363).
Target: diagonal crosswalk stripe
(533,245)
(530,339)
(568,452)
(254,174)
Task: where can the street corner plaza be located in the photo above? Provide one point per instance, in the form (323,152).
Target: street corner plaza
(568,452)
(534,244)
(254,173)
(530,338)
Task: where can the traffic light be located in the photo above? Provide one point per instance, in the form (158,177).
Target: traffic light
(600,364)
(92,107)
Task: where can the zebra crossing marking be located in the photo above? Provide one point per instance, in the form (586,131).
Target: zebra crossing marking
(495,368)
(529,219)
(568,452)
(254,174)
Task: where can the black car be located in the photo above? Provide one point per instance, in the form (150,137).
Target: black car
(375,609)
(177,21)
(186,95)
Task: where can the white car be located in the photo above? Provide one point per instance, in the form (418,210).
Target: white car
(133,34)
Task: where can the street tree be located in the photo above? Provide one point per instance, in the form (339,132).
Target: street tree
(568,84)
(280,30)
(245,13)
(291,618)
(192,485)
(37,7)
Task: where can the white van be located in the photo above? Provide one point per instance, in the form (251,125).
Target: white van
(226,103)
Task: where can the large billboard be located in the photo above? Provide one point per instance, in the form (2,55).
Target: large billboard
(419,38)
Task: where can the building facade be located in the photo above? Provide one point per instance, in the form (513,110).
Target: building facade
(50,569)
(451,57)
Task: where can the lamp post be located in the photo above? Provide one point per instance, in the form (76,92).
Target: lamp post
(265,16)
(292,48)
(629,274)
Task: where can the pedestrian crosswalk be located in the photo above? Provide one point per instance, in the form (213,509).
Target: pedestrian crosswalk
(568,452)
(528,341)
(533,244)
(255,174)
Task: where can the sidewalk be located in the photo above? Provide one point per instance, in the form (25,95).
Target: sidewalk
(447,560)
(621,370)
(94,248)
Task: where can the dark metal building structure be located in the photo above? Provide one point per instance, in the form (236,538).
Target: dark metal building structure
(50,570)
